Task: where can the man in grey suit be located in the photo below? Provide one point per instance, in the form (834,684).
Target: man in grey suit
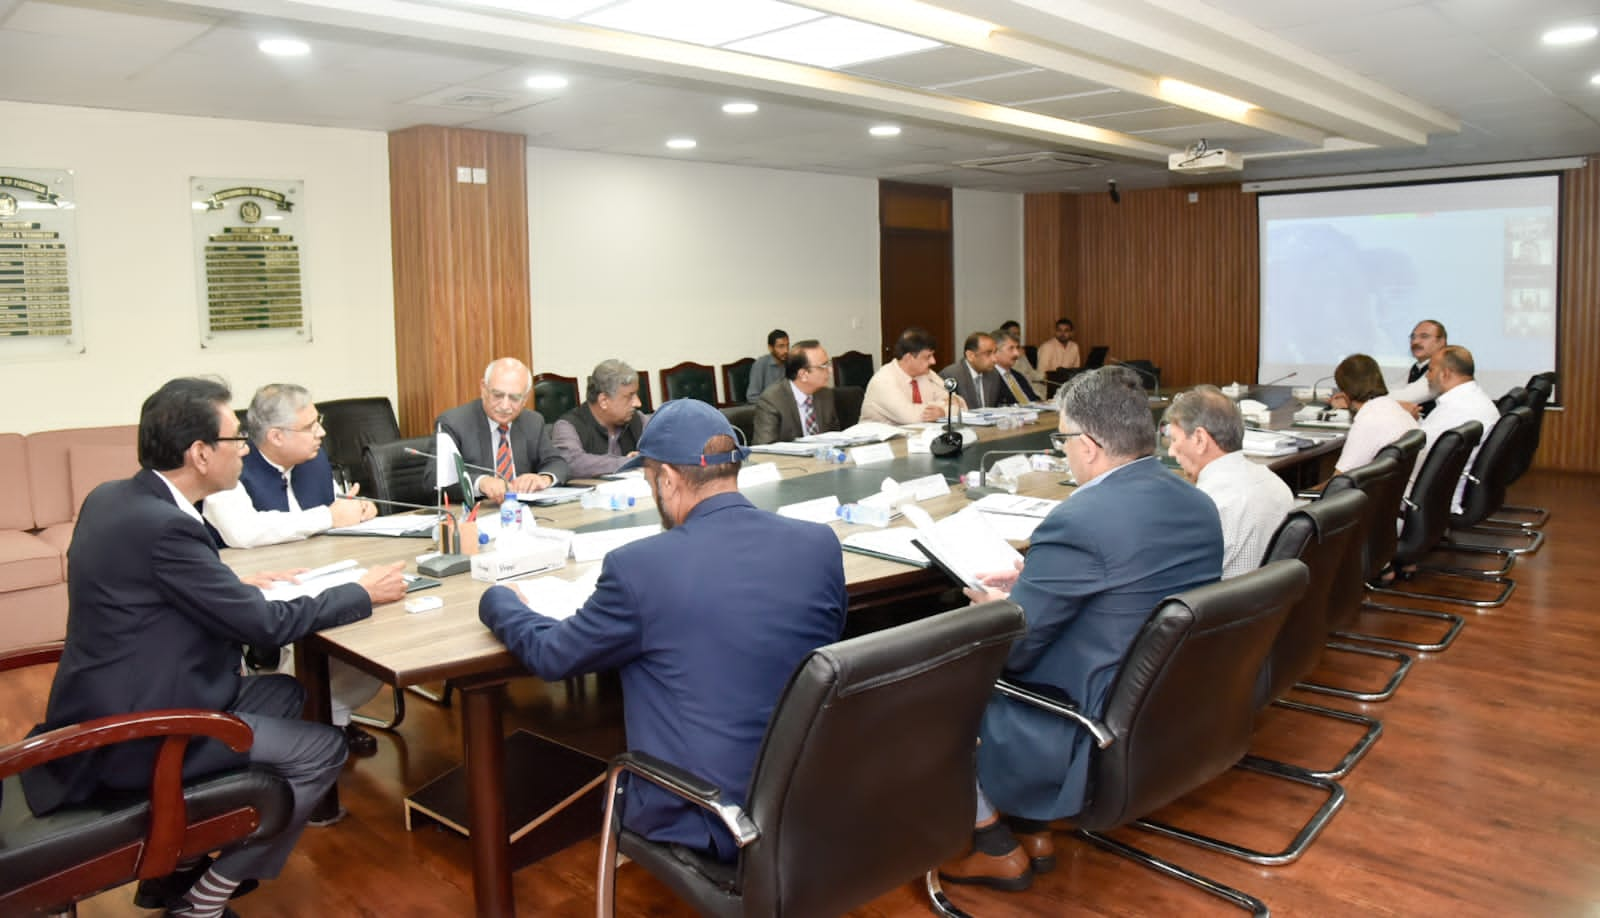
(1131,534)
(507,442)
(976,382)
(783,408)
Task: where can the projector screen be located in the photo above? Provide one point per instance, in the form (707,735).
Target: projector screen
(1351,271)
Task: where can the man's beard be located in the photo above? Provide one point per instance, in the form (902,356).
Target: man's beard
(666,520)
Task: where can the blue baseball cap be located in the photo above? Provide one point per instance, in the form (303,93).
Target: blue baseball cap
(678,433)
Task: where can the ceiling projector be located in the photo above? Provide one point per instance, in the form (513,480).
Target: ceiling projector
(1202,160)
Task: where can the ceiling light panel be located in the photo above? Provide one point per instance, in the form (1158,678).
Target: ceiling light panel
(701,22)
(833,42)
(551,9)
(1570,35)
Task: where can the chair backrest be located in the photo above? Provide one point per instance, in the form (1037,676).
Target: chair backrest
(736,379)
(1384,484)
(742,417)
(1032,353)
(646,403)
(400,476)
(853,368)
(353,424)
(1404,450)
(835,756)
(847,401)
(689,380)
(1490,474)
(1149,373)
(1514,397)
(1426,511)
(1182,708)
(1535,396)
(1322,535)
(554,395)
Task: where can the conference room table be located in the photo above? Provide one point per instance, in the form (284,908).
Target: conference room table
(450,643)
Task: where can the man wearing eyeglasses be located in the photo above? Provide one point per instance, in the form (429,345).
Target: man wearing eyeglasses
(1130,534)
(286,492)
(502,441)
(801,404)
(156,621)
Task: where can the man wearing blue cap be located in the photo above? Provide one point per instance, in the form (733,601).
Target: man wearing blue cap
(690,617)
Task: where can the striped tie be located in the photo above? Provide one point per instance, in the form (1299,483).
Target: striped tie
(1016,390)
(502,456)
(809,418)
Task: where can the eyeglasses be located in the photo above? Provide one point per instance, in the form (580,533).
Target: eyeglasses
(819,366)
(309,427)
(1058,441)
(241,441)
(515,398)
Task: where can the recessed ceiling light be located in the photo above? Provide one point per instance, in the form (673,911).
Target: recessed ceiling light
(1570,35)
(740,108)
(284,47)
(833,42)
(547,81)
(884,130)
(1595,80)
(682,143)
(702,22)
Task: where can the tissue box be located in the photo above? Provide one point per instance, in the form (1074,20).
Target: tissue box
(518,556)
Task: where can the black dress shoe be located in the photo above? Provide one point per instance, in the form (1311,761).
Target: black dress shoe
(361,743)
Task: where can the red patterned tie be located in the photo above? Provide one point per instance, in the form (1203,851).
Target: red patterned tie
(916,394)
(502,456)
(810,418)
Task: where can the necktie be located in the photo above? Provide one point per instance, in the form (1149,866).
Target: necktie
(1417,372)
(809,418)
(502,456)
(916,394)
(1016,390)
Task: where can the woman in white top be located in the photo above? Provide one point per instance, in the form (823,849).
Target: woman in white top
(1376,420)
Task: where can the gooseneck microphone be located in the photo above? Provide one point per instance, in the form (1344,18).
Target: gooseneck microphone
(1289,375)
(464,464)
(985,467)
(1319,382)
(948,443)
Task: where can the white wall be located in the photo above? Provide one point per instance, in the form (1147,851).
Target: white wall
(135,260)
(988,260)
(656,262)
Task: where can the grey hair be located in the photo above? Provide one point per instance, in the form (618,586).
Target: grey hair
(1206,406)
(608,378)
(1001,336)
(527,374)
(1109,404)
(275,405)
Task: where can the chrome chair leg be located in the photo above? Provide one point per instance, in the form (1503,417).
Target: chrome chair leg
(1456,623)
(1535,539)
(1302,840)
(1540,517)
(393,722)
(1506,588)
(938,900)
(1383,694)
(1249,903)
(1356,752)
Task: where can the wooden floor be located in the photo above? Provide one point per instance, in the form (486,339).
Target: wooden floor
(1482,798)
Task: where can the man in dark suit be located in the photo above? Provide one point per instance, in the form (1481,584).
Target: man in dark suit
(596,437)
(801,404)
(974,374)
(1131,534)
(1014,386)
(156,620)
(505,444)
(703,642)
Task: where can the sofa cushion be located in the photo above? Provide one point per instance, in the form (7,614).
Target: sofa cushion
(27,561)
(50,467)
(16,511)
(91,464)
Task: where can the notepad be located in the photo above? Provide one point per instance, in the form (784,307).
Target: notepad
(557,597)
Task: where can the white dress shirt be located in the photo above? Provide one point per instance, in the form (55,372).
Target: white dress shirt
(888,397)
(1466,402)
(1252,501)
(1378,423)
(243,526)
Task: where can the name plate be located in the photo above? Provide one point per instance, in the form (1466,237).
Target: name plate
(875,452)
(820,510)
(758,473)
(925,487)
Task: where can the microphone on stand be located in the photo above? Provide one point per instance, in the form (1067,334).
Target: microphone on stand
(1289,375)
(982,488)
(948,443)
(392,503)
(1314,386)
(1155,380)
(464,464)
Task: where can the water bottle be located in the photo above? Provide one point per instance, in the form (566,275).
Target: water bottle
(864,514)
(831,454)
(484,544)
(510,513)
(594,500)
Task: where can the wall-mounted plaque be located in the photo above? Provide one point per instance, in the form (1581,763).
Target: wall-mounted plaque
(38,271)
(248,236)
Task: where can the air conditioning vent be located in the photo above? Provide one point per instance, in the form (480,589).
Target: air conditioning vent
(1042,163)
(478,100)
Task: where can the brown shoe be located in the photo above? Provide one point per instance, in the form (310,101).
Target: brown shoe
(1007,871)
(1040,849)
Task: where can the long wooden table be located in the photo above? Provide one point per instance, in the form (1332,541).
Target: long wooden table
(406,649)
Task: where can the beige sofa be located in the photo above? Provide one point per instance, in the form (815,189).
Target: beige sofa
(44,478)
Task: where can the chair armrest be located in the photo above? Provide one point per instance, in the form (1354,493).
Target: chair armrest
(32,655)
(690,787)
(1056,706)
(176,723)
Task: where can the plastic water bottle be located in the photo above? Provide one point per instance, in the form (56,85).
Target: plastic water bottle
(827,453)
(864,514)
(484,543)
(594,500)
(510,513)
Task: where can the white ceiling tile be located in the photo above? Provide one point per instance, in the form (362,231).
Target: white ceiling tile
(936,66)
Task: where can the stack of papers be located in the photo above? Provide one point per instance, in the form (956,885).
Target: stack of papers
(314,581)
(592,546)
(556,597)
(890,544)
(865,432)
(1267,443)
(400,525)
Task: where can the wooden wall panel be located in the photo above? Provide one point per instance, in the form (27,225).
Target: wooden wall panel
(460,264)
(1176,283)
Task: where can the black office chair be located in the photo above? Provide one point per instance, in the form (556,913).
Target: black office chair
(554,395)
(351,425)
(49,863)
(689,380)
(847,401)
(1536,395)
(736,379)
(1149,373)
(836,813)
(1032,353)
(1514,397)
(1485,492)
(401,476)
(646,403)
(853,368)
(742,417)
(1181,711)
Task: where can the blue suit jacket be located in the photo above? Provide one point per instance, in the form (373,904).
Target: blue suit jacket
(1096,568)
(312,481)
(706,622)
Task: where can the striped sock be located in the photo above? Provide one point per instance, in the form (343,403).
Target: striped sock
(209,896)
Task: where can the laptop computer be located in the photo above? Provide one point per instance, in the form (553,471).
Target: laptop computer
(1097,357)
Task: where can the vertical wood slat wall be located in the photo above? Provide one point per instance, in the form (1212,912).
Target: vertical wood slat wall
(460,264)
(1157,277)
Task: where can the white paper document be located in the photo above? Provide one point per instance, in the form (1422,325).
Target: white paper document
(964,545)
(303,585)
(786,449)
(893,544)
(1266,443)
(395,525)
(864,432)
(555,596)
(1011,504)
(592,546)
(821,510)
